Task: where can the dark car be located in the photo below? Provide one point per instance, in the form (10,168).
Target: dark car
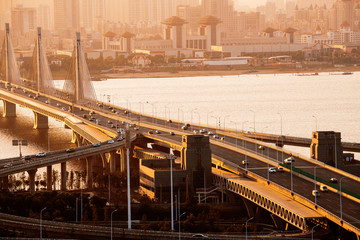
(69,150)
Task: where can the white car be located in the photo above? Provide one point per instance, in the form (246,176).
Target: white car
(289,160)
(272,170)
(41,154)
(244,162)
(111,141)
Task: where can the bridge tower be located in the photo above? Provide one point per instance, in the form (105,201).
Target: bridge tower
(78,84)
(326,147)
(40,76)
(9,65)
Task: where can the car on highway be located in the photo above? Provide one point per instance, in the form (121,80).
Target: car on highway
(169,121)
(157,132)
(27,157)
(63,108)
(109,121)
(199,235)
(202,131)
(289,160)
(96,145)
(7,165)
(111,141)
(136,128)
(184,127)
(216,136)
(195,131)
(69,150)
(150,132)
(333,180)
(222,138)
(172,133)
(272,170)
(315,193)
(261,147)
(280,169)
(323,188)
(41,154)
(244,162)
(58,104)
(47,102)
(210,133)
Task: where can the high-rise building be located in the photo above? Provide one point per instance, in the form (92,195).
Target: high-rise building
(270,11)
(43,17)
(23,19)
(87,14)
(66,15)
(5,13)
(289,7)
(224,10)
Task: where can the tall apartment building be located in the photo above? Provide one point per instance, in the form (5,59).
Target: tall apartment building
(66,15)
(5,13)
(191,14)
(270,11)
(23,19)
(224,10)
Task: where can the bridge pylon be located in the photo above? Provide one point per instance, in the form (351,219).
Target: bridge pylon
(40,77)
(78,86)
(9,68)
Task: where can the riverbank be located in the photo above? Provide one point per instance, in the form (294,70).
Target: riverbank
(216,72)
(227,72)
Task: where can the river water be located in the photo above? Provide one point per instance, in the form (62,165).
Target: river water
(293,105)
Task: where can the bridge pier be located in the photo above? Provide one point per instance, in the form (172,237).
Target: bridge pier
(40,121)
(89,171)
(49,178)
(122,159)
(63,176)
(32,180)
(9,109)
(112,161)
(5,183)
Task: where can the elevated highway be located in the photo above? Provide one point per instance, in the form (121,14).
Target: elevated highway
(229,153)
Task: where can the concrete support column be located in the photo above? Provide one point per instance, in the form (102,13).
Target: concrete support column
(123,159)
(40,121)
(63,176)
(112,162)
(32,180)
(89,171)
(49,178)
(5,183)
(9,109)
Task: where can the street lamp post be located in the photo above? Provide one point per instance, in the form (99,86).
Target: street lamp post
(180,224)
(172,192)
(335,152)
(291,176)
(76,209)
(341,220)
(191,112)
(41,221)
(315,123)
(109,189)
(199,118)
(225,120)
(154,114)
(236,131)
(315,185)
(254,118)
(242,125)
(246,226)
(111,224)
(312,231)
(179,115)
(207,118)
(216,120)
(282,139)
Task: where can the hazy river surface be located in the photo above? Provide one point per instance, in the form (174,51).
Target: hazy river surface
(328,102)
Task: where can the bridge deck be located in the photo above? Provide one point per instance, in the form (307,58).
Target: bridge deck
(273,195)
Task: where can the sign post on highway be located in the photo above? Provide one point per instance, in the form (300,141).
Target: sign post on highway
(19,143)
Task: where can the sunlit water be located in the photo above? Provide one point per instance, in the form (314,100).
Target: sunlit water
(331,101)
